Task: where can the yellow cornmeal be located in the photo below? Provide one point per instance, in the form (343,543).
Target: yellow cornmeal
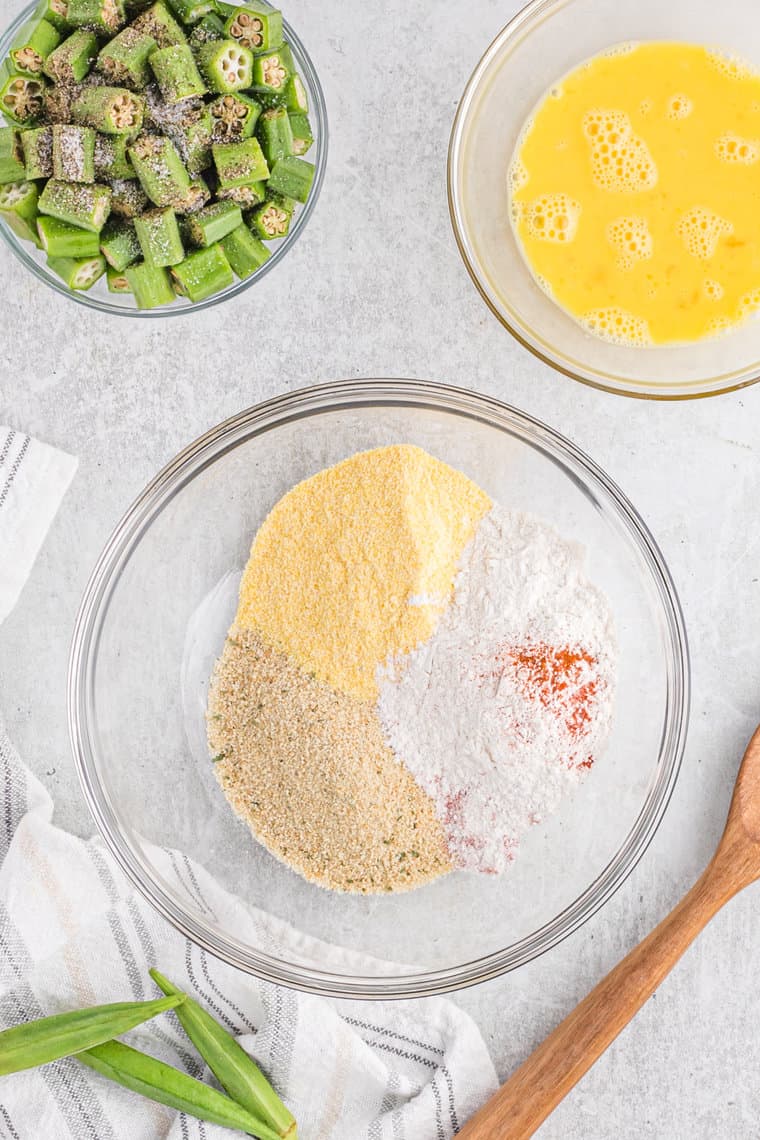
(356,564)
(636,193)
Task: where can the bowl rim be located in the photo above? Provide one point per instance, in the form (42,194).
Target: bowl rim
(346,394)
(539,11)
(317,113)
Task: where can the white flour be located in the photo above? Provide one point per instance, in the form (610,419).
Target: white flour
(509,702)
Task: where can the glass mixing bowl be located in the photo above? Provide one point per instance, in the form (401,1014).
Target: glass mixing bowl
(543,42)
(122,304)
(154,617)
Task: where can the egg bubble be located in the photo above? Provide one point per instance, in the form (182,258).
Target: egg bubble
(553,218)
(631,239)
(518,174)
(679,107)
(735,149)
(701,229)
(732,66)
(617,326)
(713,290)
(620,159)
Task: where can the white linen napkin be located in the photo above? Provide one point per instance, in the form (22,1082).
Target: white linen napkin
(73,933)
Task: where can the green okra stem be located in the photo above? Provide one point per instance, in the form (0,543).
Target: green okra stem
(110,110)
(255,25)
(236,1072)
(239,164)
(159,237)
(275,134)
(128,199)
(21,98)
(160,1082)
(150,284)
(271,219)
(111,158)
(245,252)
(176,73)
(124,59)
(18,207)
(12,162)
(104,17)
(202,273)
(38,1042)
(191,11)
(117,281)
(302,134)
(292,177)
(159,23)
(81,204)
(119,245)
(160,169)
(212,222)
(226,65)
(32,47)
(78,273)
(234,117)
(37,144)
(73,153)
(59,239)
(72,59)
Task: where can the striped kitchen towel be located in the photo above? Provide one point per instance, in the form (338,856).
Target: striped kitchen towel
(73,933)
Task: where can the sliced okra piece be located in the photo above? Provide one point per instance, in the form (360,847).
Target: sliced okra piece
(176,73)
(117,281)
(55,12)
(110,110)
(159,23)
(60,239)
(292,177)
(271,71)
(85,204)
(18,207)
(296,98)
(271,219)
(208,30)
(111,158)
(160,169)
(32,47)
(79,273)
(128,199)
(275,134)
(191,11)
(224,10)
(124,60)
(226,65)
(58,100)
(256,26)
(72,59)
(193,141)
(37,144)
(104,17)
(245,252)
(213,222)
(119,244)
(245,196)
(202,273)
(195,198)
(234,116)
(73,153)
(240,163)
(22,98)
(150,284)
(12,163)
(159,237)
(302,135)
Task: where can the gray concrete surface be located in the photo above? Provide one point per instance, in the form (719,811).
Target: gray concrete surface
(376,287)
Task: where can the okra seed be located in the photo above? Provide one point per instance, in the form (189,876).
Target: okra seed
(29,59)
(274,73)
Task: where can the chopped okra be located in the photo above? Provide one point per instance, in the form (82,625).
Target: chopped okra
(159,142)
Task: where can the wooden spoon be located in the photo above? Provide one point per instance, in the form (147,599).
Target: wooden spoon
(535,1090)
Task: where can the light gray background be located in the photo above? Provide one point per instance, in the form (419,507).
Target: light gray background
(375,287)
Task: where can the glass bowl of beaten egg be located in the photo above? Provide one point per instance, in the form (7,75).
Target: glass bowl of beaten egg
(491,196)
(153,622)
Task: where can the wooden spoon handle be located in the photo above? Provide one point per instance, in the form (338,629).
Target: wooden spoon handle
(535,1090)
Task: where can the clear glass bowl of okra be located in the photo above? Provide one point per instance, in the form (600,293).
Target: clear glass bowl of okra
(156,157)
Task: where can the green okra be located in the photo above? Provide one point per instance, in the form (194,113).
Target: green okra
(202,273)
(32,46)
(245,252)
(240,163)
(12,161)
(18,207)
(72,59)
(255,25)
(292,177)
(37,144)
(85,204)
(226,65)
(73,153)
(110,110)
(150,284)
(296,98)
(160,169)
(246,196)
(195,198)
(191,11)
(58,98)
(176,73)
(60,239)
(79,273)
(39,1042)
(302,134)
(271,71)
(159,237)
(271,219)
(111,158)
(124,59)
(212,222)
(104,17)
(234,117)
(119,244)
(128,199)
(236,1072)
(160,1082)
(117,281)
(275,134)
(208,30)
(159,23)
(22,98)
(55,12)
(193,140)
